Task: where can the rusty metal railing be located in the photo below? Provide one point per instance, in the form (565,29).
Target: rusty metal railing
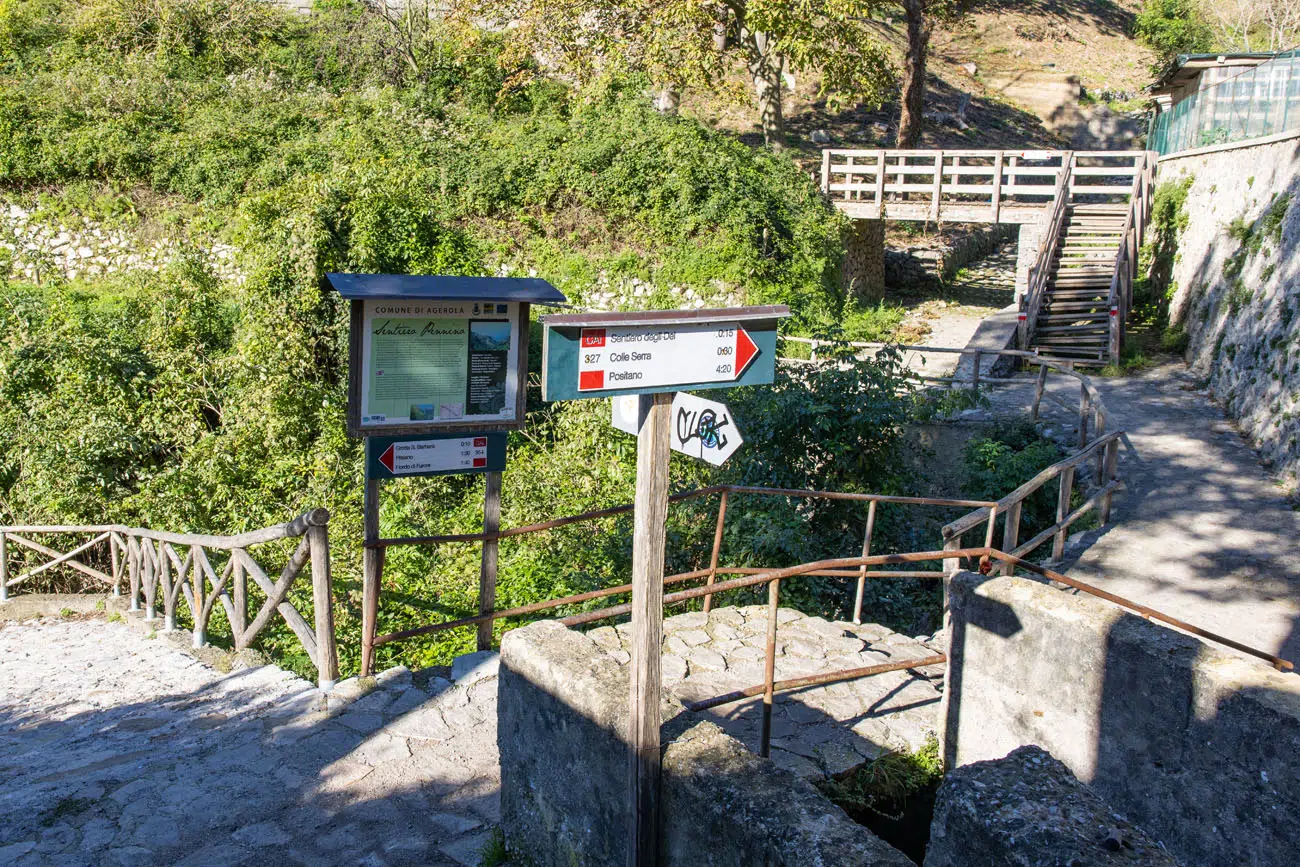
(371,638)
(985,556)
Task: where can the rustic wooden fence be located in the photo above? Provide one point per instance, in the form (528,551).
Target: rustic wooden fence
(169,568)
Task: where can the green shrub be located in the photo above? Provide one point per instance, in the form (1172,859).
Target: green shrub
(1010,456)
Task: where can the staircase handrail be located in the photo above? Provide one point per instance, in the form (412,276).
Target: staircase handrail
(1040,271)
(1120,300)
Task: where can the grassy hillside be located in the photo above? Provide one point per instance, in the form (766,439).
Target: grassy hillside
(179,395)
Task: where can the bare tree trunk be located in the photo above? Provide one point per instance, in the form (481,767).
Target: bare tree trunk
(765,69)
(913,101)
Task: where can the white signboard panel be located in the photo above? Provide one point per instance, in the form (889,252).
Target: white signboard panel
(642,356)
(421,457)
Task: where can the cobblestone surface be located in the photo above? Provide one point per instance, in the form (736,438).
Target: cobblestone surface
(118,749)
(817,731)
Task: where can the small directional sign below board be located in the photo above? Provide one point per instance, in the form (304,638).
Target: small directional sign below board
(434,455)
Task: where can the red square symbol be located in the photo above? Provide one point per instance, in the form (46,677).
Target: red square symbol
(592,337)
(480,462)
(480,442)
(591,379)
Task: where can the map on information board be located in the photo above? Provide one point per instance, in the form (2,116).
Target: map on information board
(439,362)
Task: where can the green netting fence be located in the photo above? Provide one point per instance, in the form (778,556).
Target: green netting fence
(1261,101)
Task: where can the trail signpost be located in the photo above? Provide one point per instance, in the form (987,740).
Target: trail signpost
(655,354)
(437,372)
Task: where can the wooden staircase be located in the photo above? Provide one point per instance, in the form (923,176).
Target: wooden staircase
(1080,287)
(1073,321)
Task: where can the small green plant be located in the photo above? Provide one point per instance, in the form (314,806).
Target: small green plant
(99,606)
(1240,295)
(67,612)
(1175,339)
(151,634)
(884,784)
(1250,181)
(494,852)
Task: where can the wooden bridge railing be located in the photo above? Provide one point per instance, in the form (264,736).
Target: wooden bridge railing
(976,186)
(1126,260)
(180,565)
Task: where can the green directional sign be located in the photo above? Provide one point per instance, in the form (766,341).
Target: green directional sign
(399,457)
(612,354)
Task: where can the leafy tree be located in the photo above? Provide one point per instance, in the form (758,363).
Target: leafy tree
(1173,27)
(692,43)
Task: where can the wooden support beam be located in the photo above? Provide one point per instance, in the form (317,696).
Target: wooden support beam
(650,516)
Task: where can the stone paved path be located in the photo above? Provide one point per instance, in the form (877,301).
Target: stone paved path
(118,749)
(1202,533)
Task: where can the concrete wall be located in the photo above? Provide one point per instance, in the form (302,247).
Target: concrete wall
(562,711)
(1031,236)
(1199,748)
(1243,327)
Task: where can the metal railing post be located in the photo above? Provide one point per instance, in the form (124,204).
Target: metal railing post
(862,573)
(769,669)
(717,550)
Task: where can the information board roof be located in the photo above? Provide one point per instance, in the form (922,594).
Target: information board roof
(404,287)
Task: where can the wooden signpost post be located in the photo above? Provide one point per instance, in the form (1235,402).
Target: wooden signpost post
(654,353)
(437,372)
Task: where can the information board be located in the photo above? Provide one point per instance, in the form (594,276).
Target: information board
(430,365)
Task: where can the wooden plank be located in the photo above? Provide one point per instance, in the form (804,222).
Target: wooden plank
(4,568)
(937,193)
(487,575)
(826,171)
(275,596)
(997,186)
(1011,533)
(61,560)
(644,717)
(50,552)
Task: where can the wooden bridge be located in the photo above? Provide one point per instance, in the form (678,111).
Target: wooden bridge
(1084,212)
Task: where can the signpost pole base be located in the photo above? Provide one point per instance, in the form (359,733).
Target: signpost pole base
(372,572)
(487,577)
(651,514)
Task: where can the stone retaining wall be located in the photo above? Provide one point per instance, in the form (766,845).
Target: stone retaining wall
(1239,300)
(562,715)
(1199,748)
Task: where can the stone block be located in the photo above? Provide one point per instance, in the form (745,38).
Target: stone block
(1199,748)
(562,721)
(1028,809)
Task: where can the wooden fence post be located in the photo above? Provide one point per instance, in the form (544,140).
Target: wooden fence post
(1011,534)
(134,566)
(1085,405)
(645,717)
(116,559)
(1112,473)
(951,565)
(1062,509)
(327,660)
(239,596)
(150,580)
(487,575)
(1038,389)
(975,372)
(4,568)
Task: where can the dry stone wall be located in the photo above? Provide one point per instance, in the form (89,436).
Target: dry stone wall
(1236,281)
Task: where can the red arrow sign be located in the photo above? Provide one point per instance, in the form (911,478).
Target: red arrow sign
(745,351)
(387,458)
